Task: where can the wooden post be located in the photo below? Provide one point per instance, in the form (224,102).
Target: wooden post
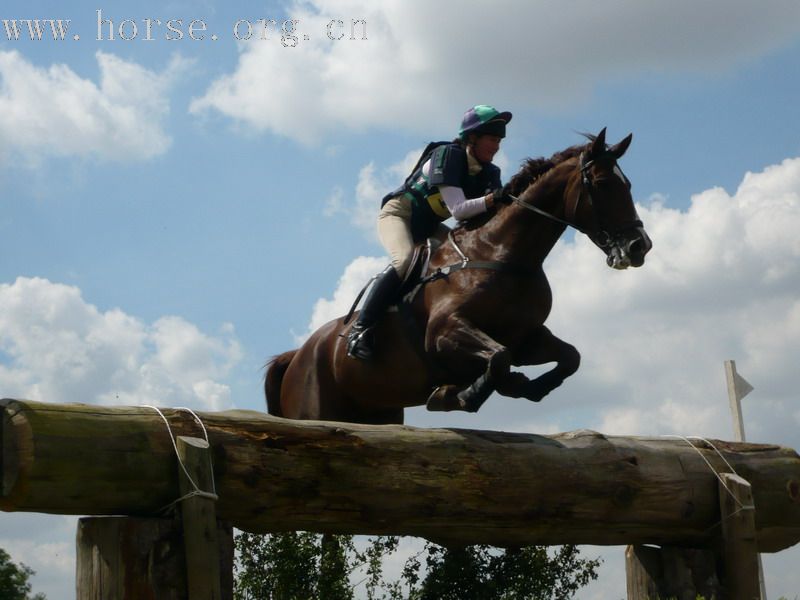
(740,548)
(738,388)
(199,519)
(643,572)
(123,558)
(129,558)
(671,572)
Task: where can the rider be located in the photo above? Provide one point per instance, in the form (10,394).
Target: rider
(455,179)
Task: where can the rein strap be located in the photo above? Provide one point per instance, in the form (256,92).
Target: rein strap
(544,213)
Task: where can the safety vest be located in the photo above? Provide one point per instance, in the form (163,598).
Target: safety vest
(448,167)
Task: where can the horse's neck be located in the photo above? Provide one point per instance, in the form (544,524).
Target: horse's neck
(525,233)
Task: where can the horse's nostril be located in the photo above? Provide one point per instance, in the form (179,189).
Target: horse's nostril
(639,246)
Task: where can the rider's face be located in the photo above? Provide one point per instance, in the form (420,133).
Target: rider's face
(485,147)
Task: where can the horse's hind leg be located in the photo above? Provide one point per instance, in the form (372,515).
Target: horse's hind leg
(543,347)
(466,350)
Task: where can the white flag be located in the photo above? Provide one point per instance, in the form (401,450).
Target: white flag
(742,386)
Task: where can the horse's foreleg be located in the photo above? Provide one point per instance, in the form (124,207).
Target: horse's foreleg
(541,348)
(464,349)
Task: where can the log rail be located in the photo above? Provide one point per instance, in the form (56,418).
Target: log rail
(453,486)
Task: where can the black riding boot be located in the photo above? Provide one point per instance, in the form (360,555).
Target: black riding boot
(360,341)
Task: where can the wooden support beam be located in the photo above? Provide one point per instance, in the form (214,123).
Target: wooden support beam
(740,548)
(671,572)
(449,485)
(199,519)
(127,558)
(643,572)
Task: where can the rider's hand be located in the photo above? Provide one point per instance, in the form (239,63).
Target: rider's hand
(502,195)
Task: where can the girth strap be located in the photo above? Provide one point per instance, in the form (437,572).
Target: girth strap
(444,272)
(466,263)
(491,265)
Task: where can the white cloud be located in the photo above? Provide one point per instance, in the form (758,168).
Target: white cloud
(334,204)
(45,543)
(372,185)
(355,276)
(422,63)
(55,347)
(54,112)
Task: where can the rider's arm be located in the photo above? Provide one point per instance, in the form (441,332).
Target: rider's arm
(460,207)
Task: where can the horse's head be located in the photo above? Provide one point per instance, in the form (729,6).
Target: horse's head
(603,207)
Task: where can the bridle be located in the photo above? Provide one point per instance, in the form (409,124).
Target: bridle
(611,242)
(601,237)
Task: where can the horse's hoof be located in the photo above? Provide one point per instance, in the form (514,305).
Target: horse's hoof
(439,400)
(469,405)
(535,393)
(473,397)
(470,400)
(537,390)
(513,385)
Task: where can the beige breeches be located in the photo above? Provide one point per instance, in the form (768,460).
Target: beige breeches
(394,231)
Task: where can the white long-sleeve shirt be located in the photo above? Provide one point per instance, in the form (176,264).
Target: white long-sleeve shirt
(461,207)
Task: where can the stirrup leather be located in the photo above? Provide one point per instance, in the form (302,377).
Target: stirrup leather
(359,342)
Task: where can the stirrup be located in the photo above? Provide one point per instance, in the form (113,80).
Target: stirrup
(359,342)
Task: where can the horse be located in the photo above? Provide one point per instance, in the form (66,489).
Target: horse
(481,307)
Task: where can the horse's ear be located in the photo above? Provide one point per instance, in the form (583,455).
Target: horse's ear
(617,150)
(599,144)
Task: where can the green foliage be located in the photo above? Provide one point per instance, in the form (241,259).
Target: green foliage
(485,573)
(260,558)
(14,583)
(303,566)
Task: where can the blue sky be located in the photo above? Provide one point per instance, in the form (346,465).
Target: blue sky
(174,212)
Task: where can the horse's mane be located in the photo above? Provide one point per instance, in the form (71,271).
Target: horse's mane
(533,168)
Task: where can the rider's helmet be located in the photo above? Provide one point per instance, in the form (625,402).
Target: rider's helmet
(484,119)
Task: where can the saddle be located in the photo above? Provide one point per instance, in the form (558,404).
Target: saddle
(417,268)
(412,279)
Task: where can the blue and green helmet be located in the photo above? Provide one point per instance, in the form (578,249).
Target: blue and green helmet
(484,120)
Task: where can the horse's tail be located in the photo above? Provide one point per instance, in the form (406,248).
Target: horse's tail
(272,381)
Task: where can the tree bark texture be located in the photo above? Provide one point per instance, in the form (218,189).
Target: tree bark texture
(448,485)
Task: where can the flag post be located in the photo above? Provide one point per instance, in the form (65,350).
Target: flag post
(738,388)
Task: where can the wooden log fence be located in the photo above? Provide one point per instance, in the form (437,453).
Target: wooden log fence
(452,486)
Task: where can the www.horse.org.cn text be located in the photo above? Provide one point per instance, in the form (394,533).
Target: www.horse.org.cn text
(109,28)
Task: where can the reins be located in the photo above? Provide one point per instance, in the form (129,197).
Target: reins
(601,237)
(586,185)
(504,267)
(544,213)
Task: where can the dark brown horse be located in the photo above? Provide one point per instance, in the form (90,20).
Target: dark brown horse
(483,309)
